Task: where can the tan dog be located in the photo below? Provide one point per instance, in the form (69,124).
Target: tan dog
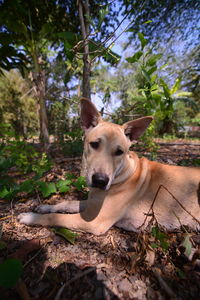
(124,190)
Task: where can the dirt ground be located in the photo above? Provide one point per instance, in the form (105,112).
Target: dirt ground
(116,265)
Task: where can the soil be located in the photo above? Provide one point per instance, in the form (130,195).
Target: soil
(116,265)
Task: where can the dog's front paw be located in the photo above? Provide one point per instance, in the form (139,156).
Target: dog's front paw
(44,209)
(27,218)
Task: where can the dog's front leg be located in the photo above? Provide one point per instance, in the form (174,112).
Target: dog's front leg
(71,221)
(96,226)
(65,206)
(97,218)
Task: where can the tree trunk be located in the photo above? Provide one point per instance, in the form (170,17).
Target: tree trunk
(40,93)
(83,8)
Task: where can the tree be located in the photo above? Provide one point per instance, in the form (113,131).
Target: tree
(83,8)
(171,23)
(158,19)
(17,104)
(30,28)
(24,25)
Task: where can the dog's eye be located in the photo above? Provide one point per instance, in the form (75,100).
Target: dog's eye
(94,145)
(119,152)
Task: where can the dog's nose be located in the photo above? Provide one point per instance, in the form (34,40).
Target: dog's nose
(100,180)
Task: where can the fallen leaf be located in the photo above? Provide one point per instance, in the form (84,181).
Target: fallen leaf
(66,234)
(187,245)
(26,248)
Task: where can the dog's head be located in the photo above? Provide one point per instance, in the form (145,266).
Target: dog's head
(106,145)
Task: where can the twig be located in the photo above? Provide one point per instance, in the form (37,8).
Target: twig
(6,217)
(59,293)
(22,290)
(108,47)
(182,206)
(24,95)
(151,207)
(181,225)
(163,284)
(178,144)
(11,208)
(113,33)
(34,256)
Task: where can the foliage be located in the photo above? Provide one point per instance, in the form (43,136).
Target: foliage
(158,19)
(161,238)
(196,121)
(148,143)
(80,184)
(17,104)
(190,162)
(73,143)
(37,37)
(44,41)
(24,158)
(10,272)
(161,101)
(39,25)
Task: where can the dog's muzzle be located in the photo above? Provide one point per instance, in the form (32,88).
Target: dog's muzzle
(100,180)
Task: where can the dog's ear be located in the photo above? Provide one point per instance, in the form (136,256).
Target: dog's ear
(90,116)
(134,129)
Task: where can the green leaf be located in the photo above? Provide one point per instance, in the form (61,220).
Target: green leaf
(70,37)
(152,70)
(164,66)
(102,13)
(153,59)
(3,192)
(161,237)
(47,188)
(110,56)
(156,96)
(63,186)
(2,245)
(68,52)
(164,244)
(147,22)
(154,87)
(176,86)
(146,75)
(135,57)
(66,234)
(130,30)
(11,193)
(181,274)
(27,186)
(70,176)
(142,39)
(10,272)
(154,245)
(80,183)
(165,88)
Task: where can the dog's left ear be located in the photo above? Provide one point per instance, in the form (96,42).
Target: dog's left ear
(134,129)
(90,116)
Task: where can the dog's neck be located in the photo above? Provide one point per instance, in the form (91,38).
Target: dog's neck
(127,168)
